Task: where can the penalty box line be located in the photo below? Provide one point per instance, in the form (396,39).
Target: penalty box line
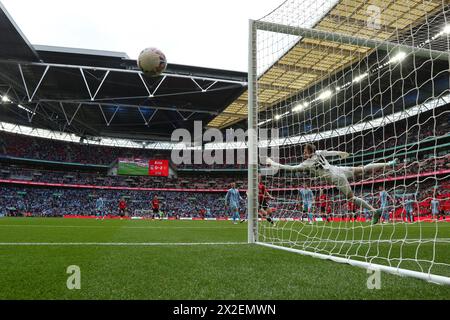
(119,244)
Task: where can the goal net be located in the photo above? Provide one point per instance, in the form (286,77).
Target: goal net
(366,84)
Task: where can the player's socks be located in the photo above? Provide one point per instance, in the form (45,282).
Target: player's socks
(376,216)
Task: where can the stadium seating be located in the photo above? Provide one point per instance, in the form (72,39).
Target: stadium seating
(23,189)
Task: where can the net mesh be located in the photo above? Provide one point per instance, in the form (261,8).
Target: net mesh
(373,83)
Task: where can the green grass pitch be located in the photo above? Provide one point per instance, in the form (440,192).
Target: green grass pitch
(133,259)
(130,169)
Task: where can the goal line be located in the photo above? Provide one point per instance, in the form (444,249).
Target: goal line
(367,265)
(117,244)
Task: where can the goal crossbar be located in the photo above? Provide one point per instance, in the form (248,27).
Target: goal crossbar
(351,40)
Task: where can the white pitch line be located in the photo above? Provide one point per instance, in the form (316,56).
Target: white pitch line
(366,241)
(121,244)
(116,227)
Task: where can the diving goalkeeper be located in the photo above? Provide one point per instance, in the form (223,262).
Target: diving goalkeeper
(318,166)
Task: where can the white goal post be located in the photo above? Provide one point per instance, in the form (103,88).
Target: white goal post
(349,93)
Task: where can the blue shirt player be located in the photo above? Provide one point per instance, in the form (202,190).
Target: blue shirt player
(434,207)
(100,208)
(367,213)
(384,203)
(307,199)
(232,200)
(409,208)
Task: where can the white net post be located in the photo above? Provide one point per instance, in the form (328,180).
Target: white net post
(377,89)
(252,194)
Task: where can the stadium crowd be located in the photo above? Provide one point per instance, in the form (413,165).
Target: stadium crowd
(28,147)
(203,180)
(404,145)
(51,202)
(331,203)
(197,181)
(54,202)
(394,135)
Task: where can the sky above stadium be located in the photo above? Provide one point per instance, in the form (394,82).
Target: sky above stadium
(206,33)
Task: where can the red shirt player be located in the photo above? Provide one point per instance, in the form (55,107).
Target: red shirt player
(155,204)
(323,202)
(263,197)
(350,206)
(324,206)
(352,214)
(122,207)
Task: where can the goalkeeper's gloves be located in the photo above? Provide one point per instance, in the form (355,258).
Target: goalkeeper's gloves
(393,162)
(345,155)
(269,162)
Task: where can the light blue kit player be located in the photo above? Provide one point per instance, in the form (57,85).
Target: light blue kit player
(308,200)
(100,208)
(232,200)
(409,209)
(384,204)
(434,208)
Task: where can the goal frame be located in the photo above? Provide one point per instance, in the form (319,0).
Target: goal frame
(252,201)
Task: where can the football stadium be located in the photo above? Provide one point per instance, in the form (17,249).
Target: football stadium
(321,172)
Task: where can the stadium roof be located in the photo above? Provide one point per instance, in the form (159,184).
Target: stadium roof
(311,60)
(101,93)
(91,94)
(14,45)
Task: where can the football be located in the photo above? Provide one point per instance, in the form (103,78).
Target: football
(152,62)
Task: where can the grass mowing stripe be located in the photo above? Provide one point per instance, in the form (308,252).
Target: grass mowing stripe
(134,244)
(131,261)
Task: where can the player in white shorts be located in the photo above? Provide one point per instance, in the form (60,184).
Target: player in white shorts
(317,166)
